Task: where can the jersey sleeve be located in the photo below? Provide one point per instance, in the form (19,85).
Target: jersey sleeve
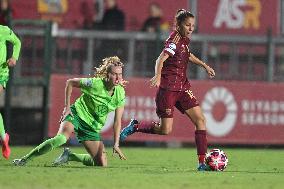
(86,83)
(172,43)
(121,102)
(12,38)
(121,97)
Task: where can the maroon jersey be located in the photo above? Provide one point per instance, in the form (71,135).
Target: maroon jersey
(174,69)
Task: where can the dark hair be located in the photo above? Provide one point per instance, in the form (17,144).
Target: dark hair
(181,15)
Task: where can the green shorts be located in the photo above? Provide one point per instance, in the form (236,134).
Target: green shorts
(4,81)
(4,75)
(83,131)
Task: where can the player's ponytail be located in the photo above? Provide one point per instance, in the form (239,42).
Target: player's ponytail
(181,15)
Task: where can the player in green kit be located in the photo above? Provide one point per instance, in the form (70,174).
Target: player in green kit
(6,34)
(86,117)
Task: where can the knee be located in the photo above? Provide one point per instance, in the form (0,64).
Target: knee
(203,120)
(165,131)
(201,123)
(62,138)
(58,140)
(166,126)
(101,160)
(100,163)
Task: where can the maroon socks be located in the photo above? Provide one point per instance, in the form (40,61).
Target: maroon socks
(146,127)
(201,144)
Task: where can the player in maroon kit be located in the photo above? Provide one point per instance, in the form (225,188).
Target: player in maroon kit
(174,88)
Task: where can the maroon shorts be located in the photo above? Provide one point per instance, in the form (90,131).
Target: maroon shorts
(166,100)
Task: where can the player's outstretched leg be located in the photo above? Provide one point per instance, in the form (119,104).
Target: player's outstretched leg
(129,129)
(41,149)
(6,151)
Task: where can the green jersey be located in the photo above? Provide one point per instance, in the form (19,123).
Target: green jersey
(6,34)
(95,102)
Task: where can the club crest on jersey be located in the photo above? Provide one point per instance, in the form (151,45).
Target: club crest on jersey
(172,46)
(168,111)
(88,82)
(102,110)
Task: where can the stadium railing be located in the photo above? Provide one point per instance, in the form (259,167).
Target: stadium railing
(233,57)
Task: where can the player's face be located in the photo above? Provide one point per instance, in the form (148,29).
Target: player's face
(187,27)
(115,75)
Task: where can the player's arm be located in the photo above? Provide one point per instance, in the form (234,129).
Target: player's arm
(12,38)
(116,131)
(197,61)
(169,50)
(156,80)
(70,83)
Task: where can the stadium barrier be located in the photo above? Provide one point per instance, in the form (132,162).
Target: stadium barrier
(236,112)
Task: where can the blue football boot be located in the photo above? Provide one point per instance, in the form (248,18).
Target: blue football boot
(128,130)
(202,167)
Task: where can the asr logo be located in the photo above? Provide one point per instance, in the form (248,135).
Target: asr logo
(52,6)
(236,14)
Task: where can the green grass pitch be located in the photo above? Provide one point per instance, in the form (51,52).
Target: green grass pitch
(147,168)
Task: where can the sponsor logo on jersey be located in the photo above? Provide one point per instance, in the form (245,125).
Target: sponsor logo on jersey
(172,46)
(88,82)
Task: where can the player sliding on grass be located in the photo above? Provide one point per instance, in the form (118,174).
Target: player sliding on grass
(6,34)
(174,87)
(100,95)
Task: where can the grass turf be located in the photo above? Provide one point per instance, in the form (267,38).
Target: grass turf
(157,168)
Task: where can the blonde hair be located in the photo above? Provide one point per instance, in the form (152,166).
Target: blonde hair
(106,65)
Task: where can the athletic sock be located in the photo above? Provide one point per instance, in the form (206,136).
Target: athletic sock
(86,159)
(146,127)
(201,144)
(46,146)
(2,129)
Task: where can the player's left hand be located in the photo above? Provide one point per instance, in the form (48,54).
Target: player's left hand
(116,150)
(210,71)
(123,83)
(155,81)
(11,62)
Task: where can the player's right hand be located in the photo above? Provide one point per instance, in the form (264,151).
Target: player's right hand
(210,71)
(116,150)
(65,113)
(11,62)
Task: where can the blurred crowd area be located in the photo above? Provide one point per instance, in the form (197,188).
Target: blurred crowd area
(238,39)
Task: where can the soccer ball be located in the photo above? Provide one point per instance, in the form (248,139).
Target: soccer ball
(216,160)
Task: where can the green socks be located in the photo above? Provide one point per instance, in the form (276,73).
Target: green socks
(55,142)
(46,146)
(86,159)
(2,130)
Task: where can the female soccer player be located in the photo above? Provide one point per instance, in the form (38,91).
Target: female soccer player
(6,34)
(100,95)
(174,87)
